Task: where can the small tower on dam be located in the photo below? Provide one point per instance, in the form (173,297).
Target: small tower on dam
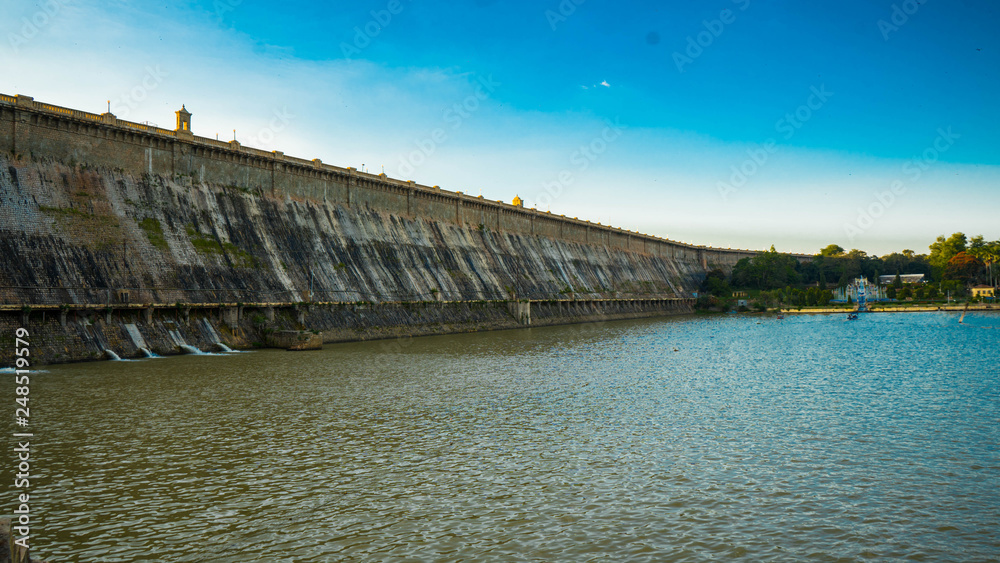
(184,122)
(518,202)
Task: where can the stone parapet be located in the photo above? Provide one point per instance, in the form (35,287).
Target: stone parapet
(28,126)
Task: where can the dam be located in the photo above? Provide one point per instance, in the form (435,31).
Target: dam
(124,238)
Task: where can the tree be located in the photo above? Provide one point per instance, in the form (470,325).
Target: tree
(826,297)
(856,254)
(812,296)
(715,284)
(720,288)
(855,263)
(832,250)
(992,257)
(799,297)
(768,270)
(956,288)
(987,253)
(906,262)
(963,267)
(944,249)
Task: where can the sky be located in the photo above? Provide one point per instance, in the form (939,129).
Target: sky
(734,123)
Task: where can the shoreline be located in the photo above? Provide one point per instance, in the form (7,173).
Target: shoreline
(61,335)
(897,309)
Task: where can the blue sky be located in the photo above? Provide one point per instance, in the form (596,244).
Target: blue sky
(735,123)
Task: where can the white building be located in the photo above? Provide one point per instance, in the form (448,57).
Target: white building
(905,278)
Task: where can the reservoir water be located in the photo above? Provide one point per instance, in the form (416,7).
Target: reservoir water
(678,439)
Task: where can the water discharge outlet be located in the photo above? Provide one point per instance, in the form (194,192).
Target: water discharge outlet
(180,343)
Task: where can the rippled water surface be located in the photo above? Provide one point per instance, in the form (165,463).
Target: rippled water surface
(682,439)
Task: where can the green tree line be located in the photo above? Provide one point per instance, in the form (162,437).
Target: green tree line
(954,258)
(952,264)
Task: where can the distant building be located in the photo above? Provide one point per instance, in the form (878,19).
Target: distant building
(518,202)
(852,292)
(905,278)
(983,291)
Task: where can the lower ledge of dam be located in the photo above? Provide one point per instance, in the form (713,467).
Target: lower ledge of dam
(64,334)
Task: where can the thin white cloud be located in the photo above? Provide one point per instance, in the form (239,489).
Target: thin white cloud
(353,112)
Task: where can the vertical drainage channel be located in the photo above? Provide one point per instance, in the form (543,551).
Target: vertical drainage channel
(179,342)
(140,343)
(215,336)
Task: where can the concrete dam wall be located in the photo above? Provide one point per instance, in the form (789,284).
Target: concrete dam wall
(106,223)
(72,234)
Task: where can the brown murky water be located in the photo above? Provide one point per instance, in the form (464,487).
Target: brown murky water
(685,439)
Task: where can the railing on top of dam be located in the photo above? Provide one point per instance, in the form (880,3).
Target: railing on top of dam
(21,102)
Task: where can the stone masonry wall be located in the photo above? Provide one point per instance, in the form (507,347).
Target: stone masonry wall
(82,235)
(69,136)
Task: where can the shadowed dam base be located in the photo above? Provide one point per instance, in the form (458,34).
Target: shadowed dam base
(61,335)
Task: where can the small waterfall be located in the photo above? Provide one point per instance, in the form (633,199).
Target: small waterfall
(180,343)
(215,336)
(133,332)
(112,356)
(148,353)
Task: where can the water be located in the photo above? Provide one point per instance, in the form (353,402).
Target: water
(149,353)
(179,341)
(215,337)
(683,439)
(191,350)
